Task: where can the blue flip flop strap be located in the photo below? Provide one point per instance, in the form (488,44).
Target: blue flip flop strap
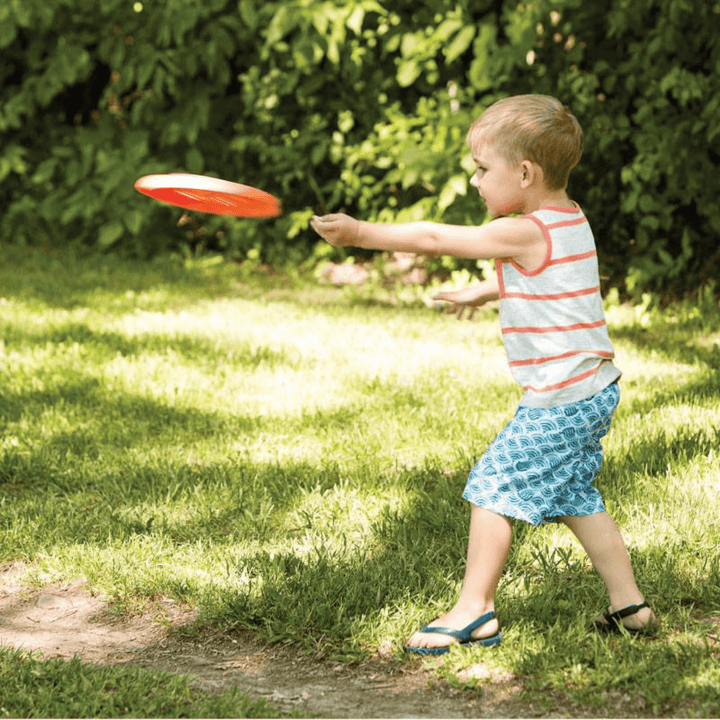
(466,633)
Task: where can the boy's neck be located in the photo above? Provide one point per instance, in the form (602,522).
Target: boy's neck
(542,198)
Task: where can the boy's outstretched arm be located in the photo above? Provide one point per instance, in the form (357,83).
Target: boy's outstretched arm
(502,238)
(470,297)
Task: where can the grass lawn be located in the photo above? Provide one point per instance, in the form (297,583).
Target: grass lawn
(291,458)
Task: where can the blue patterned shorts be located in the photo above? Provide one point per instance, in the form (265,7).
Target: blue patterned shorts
(542,465)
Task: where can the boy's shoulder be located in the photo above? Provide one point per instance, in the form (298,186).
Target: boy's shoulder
(534,246)
(548,219)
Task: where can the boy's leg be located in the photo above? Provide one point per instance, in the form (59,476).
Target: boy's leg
(600,537)
(488,548)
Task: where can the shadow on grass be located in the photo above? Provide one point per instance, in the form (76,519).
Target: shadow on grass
(109,344)
(67,280)
(652,451)
(87,464)
(699,387)
(322,597)
(679,343)
(123,420)
(652,456)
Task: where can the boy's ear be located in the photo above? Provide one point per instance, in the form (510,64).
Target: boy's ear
(531,173)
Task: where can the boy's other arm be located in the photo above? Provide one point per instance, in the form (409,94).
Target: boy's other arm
(516,238)
(470,297)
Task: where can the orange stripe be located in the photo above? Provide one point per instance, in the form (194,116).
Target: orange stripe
(501,279)
(566,383)
(553,328)
(554,296)
(566,223)
(564,356)
(575,210)
(573,258)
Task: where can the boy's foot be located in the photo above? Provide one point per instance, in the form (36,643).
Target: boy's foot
(634,618)
(437,637)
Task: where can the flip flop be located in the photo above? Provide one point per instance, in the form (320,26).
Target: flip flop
(463,636)
(612,621)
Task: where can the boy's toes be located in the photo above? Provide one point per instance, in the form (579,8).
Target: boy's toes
(438,637)
(429,640)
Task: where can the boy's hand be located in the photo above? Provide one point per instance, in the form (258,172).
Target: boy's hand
(339,230)
(470,297)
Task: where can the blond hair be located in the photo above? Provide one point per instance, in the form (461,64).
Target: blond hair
(536,128)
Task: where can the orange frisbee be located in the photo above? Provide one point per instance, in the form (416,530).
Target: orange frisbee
(209,195)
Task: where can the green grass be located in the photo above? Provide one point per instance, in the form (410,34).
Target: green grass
(33,688)
(290,459)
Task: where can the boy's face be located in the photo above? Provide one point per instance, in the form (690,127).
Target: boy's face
(497,180)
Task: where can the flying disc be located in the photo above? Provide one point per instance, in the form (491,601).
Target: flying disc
(209,195)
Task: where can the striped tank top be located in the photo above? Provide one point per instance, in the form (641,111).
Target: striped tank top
(552,319)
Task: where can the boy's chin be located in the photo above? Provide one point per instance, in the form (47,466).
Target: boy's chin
(488,210)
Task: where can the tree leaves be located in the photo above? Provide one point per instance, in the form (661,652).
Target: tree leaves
(109,234)
(459,44)
(355,105)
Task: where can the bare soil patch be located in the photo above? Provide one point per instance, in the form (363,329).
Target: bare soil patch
(63,621)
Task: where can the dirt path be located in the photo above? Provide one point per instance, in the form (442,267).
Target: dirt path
(64,621)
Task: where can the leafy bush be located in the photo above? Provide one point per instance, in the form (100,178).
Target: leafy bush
(357,105)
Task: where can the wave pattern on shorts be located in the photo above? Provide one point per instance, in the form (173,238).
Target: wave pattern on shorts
(543,464)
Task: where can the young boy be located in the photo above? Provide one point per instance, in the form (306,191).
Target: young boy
(541,467)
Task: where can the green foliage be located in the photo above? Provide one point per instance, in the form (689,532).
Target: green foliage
(358,105)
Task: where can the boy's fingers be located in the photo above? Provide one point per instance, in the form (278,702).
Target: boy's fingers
(457,308)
